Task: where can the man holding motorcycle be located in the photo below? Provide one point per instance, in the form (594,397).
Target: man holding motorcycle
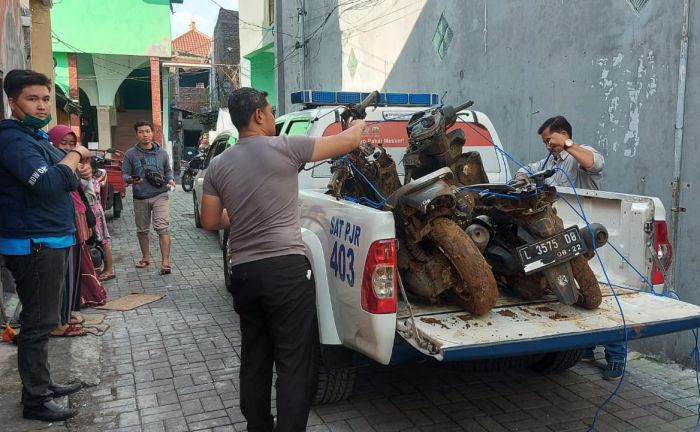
(256,183)
(584,166)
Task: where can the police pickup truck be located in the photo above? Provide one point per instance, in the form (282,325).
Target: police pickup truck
(363,315)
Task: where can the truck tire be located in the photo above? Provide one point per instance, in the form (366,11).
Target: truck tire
(588,286)
(118,206)
(479,292)
(333,384)
(227,272)
(558,361)
(195,205)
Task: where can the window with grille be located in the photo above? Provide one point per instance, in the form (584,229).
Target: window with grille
(638,5)
(442,37)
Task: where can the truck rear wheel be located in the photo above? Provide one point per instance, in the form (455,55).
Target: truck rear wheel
(558,361)
(479,292)
(227,270)
(195,204)
(334,384)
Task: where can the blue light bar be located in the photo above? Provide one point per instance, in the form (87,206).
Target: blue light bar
(325,98)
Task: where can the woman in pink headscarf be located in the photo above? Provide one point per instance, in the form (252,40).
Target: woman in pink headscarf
(84,288)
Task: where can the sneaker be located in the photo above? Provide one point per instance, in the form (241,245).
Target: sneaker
(613,371)
(588,356)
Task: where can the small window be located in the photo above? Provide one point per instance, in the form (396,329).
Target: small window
(278,128)
(298,127)
(442,37)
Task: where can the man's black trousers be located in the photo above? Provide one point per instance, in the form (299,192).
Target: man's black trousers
(40,279)
(276,301)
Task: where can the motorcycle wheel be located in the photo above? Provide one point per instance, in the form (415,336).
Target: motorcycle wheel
(479,292)
(588,286)
(187,182)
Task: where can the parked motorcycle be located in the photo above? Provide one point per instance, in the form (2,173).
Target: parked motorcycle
(530,249)
(190,172)
(437,260)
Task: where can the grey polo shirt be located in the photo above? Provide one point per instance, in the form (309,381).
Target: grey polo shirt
(582,178)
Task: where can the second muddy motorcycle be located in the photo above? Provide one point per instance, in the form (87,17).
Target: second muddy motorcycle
(530,247)
(437,260)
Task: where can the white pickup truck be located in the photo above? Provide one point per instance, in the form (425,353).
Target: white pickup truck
(352,250)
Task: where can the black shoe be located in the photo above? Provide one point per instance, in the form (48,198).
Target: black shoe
(49,412)
(60,390)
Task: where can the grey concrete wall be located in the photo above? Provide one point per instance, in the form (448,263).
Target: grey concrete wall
(612,71)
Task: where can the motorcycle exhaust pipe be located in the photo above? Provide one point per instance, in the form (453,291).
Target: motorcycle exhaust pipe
(479,235)
(600,233)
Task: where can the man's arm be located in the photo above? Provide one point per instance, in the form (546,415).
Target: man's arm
(31,168)
(168,169)
(583,156)
(338,145)
(212,215)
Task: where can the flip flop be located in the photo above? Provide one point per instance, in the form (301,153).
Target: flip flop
(142,264)
(165,270)
(106,277)
(71,331)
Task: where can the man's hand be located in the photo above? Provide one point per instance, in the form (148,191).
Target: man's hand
(171,184)
(85,171)
(134,180)
(85,154)
(555,142)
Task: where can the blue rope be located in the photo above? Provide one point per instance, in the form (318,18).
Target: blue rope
(617,300)
(352,165)
(489,193)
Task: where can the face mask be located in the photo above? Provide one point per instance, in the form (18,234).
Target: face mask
(35,123)
(31,122)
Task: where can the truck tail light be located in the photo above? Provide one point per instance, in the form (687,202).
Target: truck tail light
(663,250)
(379,278)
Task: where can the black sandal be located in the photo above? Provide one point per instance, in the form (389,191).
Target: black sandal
(165,270)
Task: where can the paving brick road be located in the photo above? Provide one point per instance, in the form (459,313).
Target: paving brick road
(173,366)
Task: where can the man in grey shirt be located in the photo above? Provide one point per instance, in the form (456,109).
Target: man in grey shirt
(255,183)
(583,164)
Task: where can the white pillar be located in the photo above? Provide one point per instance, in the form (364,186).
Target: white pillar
(104,126)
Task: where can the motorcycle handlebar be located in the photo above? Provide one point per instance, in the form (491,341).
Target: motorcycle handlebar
(374,96)
(465,105)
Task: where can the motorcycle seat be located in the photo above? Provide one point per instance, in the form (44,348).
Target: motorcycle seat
(418,184)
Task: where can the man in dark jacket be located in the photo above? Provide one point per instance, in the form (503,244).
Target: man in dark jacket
(150,194)
(37,227)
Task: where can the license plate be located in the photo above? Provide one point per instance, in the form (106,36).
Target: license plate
(552,251)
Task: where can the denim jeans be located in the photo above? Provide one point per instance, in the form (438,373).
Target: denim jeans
(614,352)
(40,279)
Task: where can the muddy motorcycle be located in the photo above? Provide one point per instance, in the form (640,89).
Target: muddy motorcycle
(530,249)
(437,260)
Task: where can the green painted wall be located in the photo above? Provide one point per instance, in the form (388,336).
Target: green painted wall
(130,27)
(262,74)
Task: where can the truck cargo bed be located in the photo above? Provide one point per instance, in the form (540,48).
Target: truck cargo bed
(518,327)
